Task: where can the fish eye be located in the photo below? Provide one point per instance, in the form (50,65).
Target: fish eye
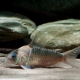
(13,56)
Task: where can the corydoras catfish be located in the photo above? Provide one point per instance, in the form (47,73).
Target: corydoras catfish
(35,56)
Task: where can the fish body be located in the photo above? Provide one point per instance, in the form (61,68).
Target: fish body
(28,57)
(44,57)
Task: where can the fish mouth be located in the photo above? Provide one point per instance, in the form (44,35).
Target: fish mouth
(8,64)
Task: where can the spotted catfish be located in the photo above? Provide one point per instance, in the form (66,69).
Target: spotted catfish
(28,57)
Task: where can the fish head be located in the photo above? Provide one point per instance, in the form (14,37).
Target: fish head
(18,57)
(10,59)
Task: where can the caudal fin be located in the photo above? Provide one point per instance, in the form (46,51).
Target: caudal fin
(70,57)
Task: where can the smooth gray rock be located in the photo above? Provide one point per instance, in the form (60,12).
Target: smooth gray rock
(60,34)
(14,26)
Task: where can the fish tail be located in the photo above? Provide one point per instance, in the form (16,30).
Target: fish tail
(70,57)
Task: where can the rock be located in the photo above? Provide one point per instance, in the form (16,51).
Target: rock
(63,34)
(14,26)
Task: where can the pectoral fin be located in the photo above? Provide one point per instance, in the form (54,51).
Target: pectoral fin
(25,67)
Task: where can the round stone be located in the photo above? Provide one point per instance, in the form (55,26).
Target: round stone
(60,34)
(14,26)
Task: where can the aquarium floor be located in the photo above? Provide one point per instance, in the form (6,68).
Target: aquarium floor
(18,73)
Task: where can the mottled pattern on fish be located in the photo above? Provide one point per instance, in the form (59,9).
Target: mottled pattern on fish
(44,57)
(37,56)
(45,52)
